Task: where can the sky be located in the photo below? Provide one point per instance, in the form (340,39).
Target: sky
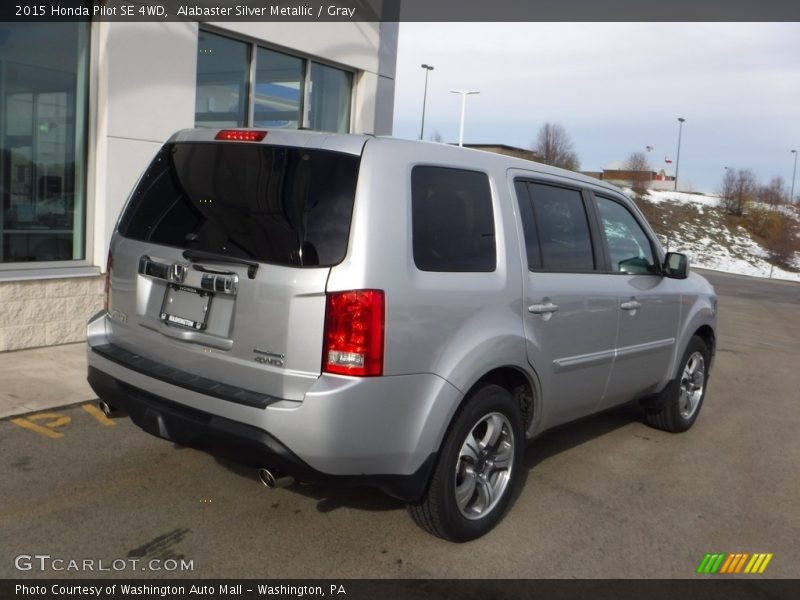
(616,88)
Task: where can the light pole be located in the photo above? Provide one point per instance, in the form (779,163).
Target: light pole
(464,94)
(427,68)
(678,157)
(794,173)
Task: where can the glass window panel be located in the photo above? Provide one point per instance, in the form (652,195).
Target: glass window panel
(562,227)
(278,90)
(329,99)
(223,72)
(286,206)
(628,244)
(532,249)
(42,141)
(452,220)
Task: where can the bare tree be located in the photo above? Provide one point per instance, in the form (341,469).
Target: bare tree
(774,193)
(728,189)
(738,190)
(554,147)
(640,172)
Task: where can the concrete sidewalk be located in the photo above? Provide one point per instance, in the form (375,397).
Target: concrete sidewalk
(42,378)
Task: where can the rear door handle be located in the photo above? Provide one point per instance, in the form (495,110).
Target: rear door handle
(630,305)
(540,309)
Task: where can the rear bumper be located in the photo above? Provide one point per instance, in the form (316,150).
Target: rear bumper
(237,441)
(382,431)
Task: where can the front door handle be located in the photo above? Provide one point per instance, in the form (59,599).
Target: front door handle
(541,309)
(630,305)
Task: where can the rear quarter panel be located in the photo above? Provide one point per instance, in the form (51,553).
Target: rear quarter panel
(455,325)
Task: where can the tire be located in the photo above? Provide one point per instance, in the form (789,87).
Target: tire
(682,399)
(477,470)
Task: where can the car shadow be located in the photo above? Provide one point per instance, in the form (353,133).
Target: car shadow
(573,434)
(576,433)
(330,497)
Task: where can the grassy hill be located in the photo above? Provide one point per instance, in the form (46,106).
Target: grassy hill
(763,242)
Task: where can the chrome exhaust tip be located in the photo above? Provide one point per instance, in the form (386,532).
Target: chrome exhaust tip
(274,480)
(109,411)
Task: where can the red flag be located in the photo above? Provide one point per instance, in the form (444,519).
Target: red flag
(668,160)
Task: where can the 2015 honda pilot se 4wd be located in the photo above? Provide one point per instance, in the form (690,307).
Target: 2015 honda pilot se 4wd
(387,312)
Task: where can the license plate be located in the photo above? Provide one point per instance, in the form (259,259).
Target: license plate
(186,307)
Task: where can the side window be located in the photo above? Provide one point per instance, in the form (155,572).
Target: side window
(532,248)
(628,244)
(452,220)
(561,227)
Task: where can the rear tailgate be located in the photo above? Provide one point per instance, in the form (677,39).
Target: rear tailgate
(221,260)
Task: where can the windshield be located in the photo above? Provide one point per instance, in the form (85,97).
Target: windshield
(273,204)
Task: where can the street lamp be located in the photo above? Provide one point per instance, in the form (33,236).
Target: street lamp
(678,157)
(464,95)
(427,68)
(794,172)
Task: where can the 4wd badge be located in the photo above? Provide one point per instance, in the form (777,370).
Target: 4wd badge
(269,358)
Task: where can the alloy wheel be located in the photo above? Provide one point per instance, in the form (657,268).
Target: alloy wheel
(692,384)
(483,470)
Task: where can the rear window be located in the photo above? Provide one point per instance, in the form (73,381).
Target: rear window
(272,204)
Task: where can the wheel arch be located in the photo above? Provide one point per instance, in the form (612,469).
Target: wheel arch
(700,320)
(707,334)
(521,384)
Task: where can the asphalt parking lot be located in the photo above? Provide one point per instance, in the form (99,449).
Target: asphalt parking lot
(604,498)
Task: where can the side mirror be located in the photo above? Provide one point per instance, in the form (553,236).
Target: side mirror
(676,265)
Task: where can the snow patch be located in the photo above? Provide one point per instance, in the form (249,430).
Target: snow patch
(703,240)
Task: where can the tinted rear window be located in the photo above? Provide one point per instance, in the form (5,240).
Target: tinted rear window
(272,204)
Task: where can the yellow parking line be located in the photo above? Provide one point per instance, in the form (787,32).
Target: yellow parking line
(98,414)
(46,429)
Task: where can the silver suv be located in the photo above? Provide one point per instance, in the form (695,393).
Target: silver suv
(385,312)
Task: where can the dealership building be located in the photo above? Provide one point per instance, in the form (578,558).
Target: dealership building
(85,106)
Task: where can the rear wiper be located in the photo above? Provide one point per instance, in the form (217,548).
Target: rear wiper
(252,267)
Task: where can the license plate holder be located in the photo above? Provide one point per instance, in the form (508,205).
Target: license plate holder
(186,307)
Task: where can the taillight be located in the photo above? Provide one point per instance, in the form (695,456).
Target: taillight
(240,135)
(354,323)
(107,281)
